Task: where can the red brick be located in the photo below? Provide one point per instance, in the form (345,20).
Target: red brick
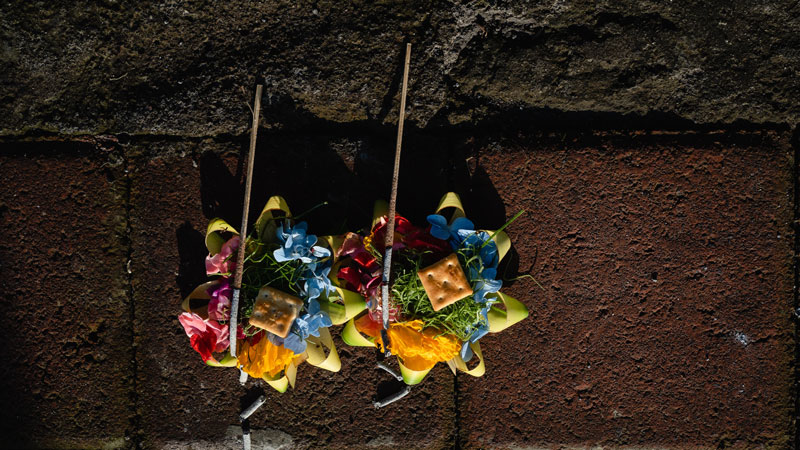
(665,319)
(67,362)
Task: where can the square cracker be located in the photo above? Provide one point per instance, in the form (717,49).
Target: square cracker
(275,311)
(445,282)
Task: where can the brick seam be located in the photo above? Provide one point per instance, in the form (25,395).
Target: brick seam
(795,427)
(134,432)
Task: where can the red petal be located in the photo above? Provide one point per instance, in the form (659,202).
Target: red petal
(364,259)
(402,225)
(351,276)
(204,344)
(256,337)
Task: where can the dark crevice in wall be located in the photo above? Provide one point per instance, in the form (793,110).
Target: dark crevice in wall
(457,430)
(796,301)
(134,432)
(495,121)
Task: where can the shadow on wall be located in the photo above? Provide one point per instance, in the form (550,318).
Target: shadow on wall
(350,173)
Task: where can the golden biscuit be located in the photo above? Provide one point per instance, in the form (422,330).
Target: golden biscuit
(275,311)
(445,282)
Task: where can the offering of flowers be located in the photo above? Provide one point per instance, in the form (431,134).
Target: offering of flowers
(287,301)
(445,293)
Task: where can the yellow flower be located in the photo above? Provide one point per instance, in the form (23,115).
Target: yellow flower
(421,349)
(264,359)
(418,349)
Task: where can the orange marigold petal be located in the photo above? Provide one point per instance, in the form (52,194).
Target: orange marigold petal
(421,349)
(366,325)
(264,359)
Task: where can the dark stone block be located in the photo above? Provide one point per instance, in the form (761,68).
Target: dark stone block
(180,69)
(665,320)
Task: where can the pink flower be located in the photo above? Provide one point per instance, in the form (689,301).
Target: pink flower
(206,336)
(219,307)
(352,243)
(372,287)
(222,262)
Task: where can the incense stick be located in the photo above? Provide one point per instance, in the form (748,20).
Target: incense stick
(387,259)
(237,279)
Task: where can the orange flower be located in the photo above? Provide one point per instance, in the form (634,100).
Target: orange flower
(370,327)
(418,349)
(421,349)
(264,359)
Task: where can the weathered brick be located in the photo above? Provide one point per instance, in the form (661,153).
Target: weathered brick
(665,318)
(67,369)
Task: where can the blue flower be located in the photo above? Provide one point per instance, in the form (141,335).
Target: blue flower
(480,254)
(488,253)
(295,244)
(472,241)
(441,230)
(293,341)
(484,283)
(479,330)
(317,281)
(483,269)
(303,327)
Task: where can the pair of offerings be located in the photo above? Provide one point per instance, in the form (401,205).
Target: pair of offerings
(445,294)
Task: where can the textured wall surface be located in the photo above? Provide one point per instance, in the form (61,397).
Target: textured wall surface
(652,146)
(68,366)
(667,274)
(177,67)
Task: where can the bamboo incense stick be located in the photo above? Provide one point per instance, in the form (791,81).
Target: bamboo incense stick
(237,279)
(387,259)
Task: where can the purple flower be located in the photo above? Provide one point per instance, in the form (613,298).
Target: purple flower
(219,306)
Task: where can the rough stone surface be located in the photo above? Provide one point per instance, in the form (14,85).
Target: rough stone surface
(665,319)
(176,188)
(66,372)
(178,68)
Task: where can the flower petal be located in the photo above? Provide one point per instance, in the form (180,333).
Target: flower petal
(280,255)
(462,223)
(294,343)
(438,220)
(192,323)
(466,352)
(320,252)
(489,273)
(439,227)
